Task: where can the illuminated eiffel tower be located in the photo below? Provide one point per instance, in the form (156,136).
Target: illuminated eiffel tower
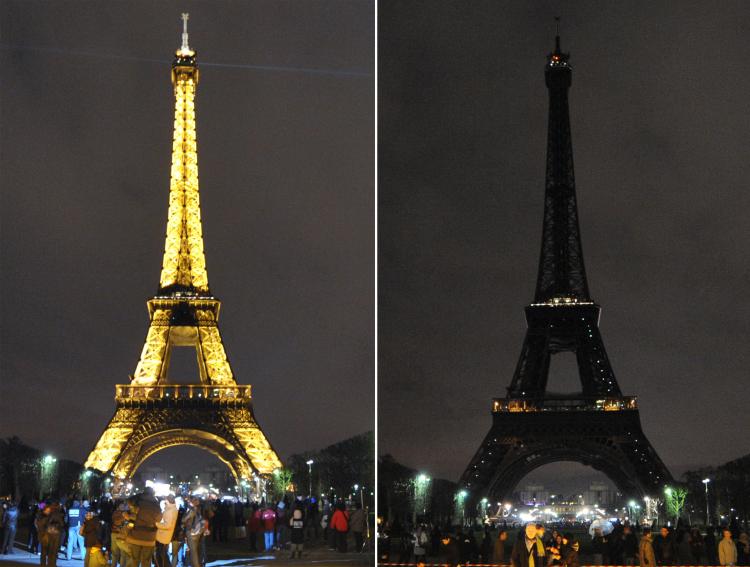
(152,413)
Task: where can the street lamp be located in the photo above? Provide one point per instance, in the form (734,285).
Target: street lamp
(420,495)
(705,481)
(46,474)
(309,475)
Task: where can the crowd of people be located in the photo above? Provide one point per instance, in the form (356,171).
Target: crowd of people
(535,546)
(142,530)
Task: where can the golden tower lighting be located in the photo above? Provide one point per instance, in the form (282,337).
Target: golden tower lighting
(151,412)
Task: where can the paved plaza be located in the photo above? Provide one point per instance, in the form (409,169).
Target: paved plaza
(226,555)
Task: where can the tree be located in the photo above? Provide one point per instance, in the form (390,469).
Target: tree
(282,482)
(675,501)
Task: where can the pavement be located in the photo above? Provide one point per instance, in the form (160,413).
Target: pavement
(226,555)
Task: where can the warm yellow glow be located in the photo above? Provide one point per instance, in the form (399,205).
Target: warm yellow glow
(213,354)
(111,443)
(184,262)
(149,367)
(152,412)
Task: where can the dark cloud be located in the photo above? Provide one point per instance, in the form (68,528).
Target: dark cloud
(661,138)
(286,168)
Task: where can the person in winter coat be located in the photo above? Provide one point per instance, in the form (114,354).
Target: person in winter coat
(727,549)
(629,545)
(268,516)
(141,539)
(118,548)
(49,526)
(468,547)
(75,516)
(178,538)
(525,551)
(498,549)
(340,525)
(570,552)
(297,526)
(421,540)
(710,547)
(646,556)
(695,540)
(600,547)
(164,530)
(280,534)
(10,519)
(358,525)
(35,512)
(254,527)
(665,548)
(92,532)
(449,547)
(194,528)
(743,549)
(485,548)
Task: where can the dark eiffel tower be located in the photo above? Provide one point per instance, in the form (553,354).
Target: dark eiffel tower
(599,427)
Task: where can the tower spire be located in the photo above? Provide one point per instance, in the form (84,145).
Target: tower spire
(184,264)
(185,47)
(562,277)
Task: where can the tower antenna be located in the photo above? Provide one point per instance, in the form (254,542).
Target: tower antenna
(557,34)
(185,46)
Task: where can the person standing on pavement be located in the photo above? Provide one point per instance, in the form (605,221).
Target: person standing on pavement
(646,555)
(281,524)
(75,517)
(141,539)
(498,551)
(727,549)
(164,530)
(194,527)
(91,531)
(269,526)
(526,552)
(358,525)
(50,525)
(340,525)
(10,519)
(297,526)
(253,527)
(118,548)
(665,547)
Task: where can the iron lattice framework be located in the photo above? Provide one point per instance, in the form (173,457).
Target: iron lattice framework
(152,413)
(599,426)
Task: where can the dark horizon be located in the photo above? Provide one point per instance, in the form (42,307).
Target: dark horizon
(660,133)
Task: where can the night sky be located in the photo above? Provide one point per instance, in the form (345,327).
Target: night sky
(661,139)
(285,125)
